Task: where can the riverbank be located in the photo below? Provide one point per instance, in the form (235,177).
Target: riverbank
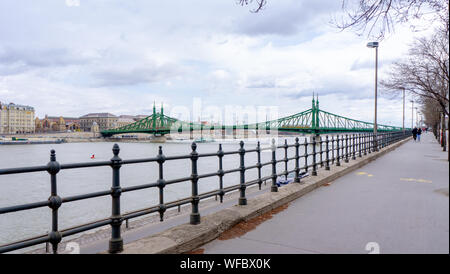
(83,137)
(28,142)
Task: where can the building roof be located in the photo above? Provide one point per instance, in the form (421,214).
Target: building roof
(12,105)
(99,115)
(124,120)
(65,118)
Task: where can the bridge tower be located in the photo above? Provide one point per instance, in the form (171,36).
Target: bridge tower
(317,123)
(161,116)
(154,116)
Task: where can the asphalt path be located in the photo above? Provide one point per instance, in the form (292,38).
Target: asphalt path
(396,204)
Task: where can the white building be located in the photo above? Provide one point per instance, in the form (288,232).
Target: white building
(16,119)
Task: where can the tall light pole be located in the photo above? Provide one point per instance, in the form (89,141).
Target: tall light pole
(412,114)
(403,125)
(375,46)
(417,117)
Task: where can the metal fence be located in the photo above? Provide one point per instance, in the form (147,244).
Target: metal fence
(323,151)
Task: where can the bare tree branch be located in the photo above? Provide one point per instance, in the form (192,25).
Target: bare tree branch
(425,71)
(259,4)
(378,17)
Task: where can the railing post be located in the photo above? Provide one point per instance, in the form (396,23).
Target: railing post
(195,215)
(116,241)
(306,154)
(354,146)
(375,141)
(285,159)
(54,201)
(365,143)
(274,187)
(161,183)
(327,161)
(314,172)
(242,198)
(259,165)
(332,150)
(346,148)
(360,145)
(338,161)
(297,164)
(321,150)
(221,172)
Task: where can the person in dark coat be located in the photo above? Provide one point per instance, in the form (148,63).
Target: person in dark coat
(414,133)
(419,132)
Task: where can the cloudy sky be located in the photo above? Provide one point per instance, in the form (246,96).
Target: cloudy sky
(72,57)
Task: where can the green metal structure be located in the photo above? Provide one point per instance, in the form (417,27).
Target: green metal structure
(312,120)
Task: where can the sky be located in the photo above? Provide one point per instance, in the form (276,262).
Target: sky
(73,57)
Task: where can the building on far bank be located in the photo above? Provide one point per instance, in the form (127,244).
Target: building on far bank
(139,117)
(57,124)
(124,120)
(16,119)
(104,121)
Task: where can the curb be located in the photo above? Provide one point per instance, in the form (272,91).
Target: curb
(187,237)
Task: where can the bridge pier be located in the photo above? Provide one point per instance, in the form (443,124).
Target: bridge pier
(318,138)
(158,139)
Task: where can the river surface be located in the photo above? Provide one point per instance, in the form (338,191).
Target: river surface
(25,188)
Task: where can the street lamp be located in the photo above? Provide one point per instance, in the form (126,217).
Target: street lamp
(412,114)
(417,117)
(403,124)
(375,46)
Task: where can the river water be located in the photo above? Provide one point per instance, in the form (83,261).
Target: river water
(18,189)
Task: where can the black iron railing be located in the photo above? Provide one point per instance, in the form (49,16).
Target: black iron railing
(331,152)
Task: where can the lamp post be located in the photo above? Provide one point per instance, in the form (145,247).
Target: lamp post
(403,124)
(412,114)
(375,46)
(417,117)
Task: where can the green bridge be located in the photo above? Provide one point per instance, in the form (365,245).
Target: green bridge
(313,120)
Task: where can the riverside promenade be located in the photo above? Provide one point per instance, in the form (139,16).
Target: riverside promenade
(396,204)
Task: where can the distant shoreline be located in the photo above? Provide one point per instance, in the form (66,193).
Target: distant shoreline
(88,137)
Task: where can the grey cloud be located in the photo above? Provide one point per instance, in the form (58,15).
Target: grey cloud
(285,18)
(125,76)
(309,93)
(18,60)
(267,84)
(370,64)
(351,92)
(364,64)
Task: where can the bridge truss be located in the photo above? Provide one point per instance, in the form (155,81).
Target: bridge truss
(312,120)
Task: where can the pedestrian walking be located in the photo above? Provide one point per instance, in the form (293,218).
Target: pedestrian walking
(419,132)
(414,133)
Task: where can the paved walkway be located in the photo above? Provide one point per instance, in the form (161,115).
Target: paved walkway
(397,204)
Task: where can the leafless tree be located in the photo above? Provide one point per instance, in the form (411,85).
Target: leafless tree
(425,71)
(378,17)
(259,4)
(431,112)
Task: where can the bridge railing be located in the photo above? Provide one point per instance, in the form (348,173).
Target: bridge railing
(323,151)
